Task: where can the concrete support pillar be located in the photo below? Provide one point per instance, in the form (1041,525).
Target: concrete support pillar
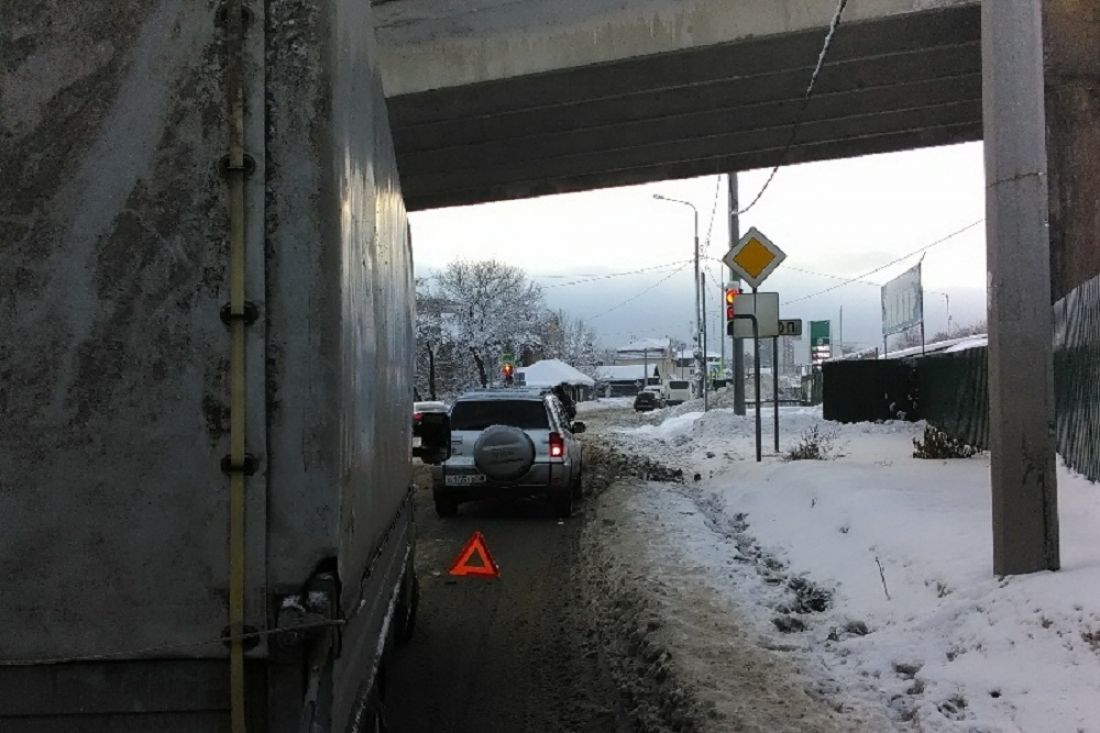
(1071,29)
(1021,385)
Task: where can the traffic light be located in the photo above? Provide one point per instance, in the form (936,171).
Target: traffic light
(508,370)
(730,297)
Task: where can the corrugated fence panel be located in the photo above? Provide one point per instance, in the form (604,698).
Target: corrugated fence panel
(954,396)
(1077,377)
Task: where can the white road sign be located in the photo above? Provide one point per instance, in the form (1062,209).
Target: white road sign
(765,306)
(754,257)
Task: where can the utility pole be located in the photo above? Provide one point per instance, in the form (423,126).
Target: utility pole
(703,305)
(1021,362)
(700,324)
(840,333)
(738,351)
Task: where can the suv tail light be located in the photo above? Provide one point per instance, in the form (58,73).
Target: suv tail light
(557,445)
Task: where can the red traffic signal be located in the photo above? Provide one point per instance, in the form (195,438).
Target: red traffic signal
(508,370)
(731,295)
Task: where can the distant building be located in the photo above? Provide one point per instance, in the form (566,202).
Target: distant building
(654,355)
(622,380)
(684,363)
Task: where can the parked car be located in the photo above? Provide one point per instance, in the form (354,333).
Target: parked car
(679,390)
(511,442)
(646,400)
(422,408)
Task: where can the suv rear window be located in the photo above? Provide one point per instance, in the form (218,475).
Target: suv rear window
(677,385)
(525,414)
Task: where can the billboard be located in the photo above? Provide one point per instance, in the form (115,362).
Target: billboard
(902,302)
(820,341)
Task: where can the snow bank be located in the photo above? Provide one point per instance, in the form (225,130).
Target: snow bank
(604,404)
(670,428)
(948,646)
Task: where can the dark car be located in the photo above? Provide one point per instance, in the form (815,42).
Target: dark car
(646,401)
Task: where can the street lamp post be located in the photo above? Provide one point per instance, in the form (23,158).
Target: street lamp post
(700,365)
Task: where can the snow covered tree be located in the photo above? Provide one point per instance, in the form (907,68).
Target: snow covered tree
(429,340)
(491,308)
(569,339)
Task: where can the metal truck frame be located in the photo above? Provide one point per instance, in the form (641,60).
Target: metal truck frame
(207,301)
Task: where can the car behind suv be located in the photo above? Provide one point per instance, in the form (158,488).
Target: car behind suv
(511,442)
(647,400)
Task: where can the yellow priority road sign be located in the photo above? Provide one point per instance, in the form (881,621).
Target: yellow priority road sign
(754,257)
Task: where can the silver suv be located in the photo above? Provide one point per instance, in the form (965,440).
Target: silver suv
(511,442)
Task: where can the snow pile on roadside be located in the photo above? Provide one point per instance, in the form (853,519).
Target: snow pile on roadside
(603,404)
(670,428)
(940,641)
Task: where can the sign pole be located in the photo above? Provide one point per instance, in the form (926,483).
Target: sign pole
(775,387)
(756,376)
(703,320)
(737,348)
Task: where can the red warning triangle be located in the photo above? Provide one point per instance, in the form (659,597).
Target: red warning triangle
(475,546)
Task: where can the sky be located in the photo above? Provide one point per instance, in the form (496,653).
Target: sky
(835,219)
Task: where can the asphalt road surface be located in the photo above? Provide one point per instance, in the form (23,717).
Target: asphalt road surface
(506,655)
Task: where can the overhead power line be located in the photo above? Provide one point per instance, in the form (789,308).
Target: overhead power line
(841,4)
(857,278)
(610,275)
(713,211)
(639,293)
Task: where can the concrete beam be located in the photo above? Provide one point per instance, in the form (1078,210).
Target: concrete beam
(434,44)
(793,54)
(860,78)
(936,100)
(1021,368)
(542,185)
(698,147)
(913,77)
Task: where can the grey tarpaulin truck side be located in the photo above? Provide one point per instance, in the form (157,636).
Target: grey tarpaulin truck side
(115,362)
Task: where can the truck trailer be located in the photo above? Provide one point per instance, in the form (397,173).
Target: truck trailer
(206,369)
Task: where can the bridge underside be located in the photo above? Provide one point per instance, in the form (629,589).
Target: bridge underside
(894,84)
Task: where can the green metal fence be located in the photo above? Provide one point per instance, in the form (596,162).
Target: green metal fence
(952,389)
(954,394)
(1077,377)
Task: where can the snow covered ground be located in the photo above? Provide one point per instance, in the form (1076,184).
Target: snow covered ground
(870,574)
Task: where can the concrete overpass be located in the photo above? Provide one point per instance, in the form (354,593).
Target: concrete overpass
(499,99)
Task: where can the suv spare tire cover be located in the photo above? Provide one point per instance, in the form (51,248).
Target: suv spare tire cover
(504,453)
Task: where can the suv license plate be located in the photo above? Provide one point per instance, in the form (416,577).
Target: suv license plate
(464,479)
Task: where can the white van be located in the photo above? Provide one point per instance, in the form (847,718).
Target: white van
(679,390)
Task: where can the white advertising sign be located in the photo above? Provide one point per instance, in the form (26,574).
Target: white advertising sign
(902,302)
